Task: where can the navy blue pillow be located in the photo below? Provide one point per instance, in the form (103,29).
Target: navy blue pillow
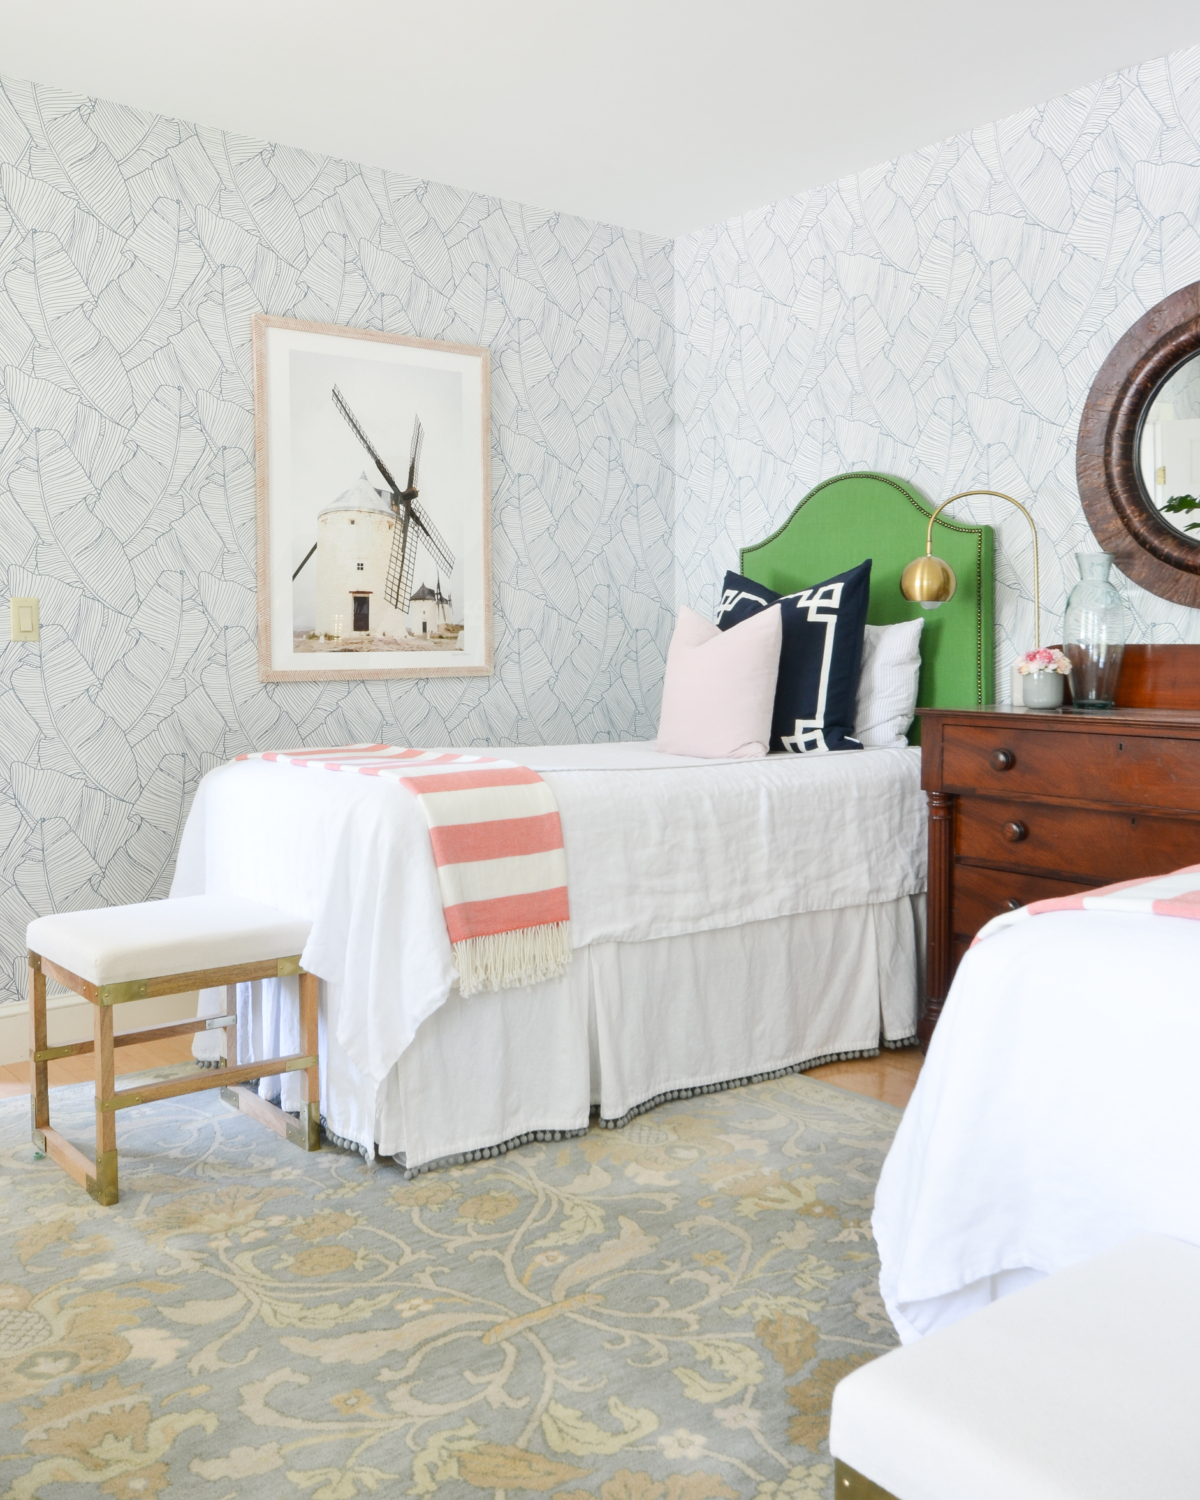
(820,660)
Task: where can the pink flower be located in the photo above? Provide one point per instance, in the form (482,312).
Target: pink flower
(1048,659)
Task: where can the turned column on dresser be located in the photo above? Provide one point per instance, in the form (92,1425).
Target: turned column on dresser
(939,940)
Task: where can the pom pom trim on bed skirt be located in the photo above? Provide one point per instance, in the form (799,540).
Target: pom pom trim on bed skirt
(737,1083)
(461,1158)
(639,1109)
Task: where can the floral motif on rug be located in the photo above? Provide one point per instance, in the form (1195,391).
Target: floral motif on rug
(654,1313)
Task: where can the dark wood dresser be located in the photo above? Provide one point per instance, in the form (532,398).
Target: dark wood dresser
(1026,804)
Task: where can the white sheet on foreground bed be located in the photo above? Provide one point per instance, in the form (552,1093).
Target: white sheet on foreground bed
(1056,1116)
(657,846)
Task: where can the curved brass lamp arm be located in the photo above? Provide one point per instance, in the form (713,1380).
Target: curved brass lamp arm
(1037,589)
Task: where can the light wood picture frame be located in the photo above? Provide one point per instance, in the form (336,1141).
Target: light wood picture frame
(373,481)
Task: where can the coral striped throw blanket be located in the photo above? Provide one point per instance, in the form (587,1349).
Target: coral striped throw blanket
(498,847)
(1173,895)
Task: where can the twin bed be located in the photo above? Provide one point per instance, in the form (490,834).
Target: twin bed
(729,919)
(1056,1116)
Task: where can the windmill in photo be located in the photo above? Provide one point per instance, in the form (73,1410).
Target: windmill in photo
(367,545)
(429,610)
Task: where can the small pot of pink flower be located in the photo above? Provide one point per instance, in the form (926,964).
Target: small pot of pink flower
(1042,674)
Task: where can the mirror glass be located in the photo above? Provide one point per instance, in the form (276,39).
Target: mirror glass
(1169,450)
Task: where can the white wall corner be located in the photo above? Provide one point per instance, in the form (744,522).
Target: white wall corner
(69,1019)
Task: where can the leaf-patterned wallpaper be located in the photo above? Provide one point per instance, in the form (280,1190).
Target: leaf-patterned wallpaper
(133,251)
(942,318)
(655,406)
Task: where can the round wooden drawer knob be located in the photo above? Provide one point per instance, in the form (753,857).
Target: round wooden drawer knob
(1015,832)
(1002,760)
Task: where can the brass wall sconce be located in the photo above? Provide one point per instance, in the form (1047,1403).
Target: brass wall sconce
(930,581)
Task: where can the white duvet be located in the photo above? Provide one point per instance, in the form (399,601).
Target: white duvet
(657,846)
(1056,1116)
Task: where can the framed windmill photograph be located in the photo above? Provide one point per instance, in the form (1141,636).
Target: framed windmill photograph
(374,504)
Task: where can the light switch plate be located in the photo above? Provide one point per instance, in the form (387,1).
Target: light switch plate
(23,619)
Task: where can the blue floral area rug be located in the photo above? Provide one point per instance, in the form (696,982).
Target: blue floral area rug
(654,1313)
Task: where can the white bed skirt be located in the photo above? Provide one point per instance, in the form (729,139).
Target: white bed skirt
(628,1024)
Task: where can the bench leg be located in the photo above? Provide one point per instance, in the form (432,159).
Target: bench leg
(306,1131)
(103,1187)
(231,1037)
(39,1071)
(46,1140)
(310,1079)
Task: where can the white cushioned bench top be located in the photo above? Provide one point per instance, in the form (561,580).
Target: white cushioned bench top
(1085,1386)
(150,939)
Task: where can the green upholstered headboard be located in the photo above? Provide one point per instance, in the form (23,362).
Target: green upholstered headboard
(856,516)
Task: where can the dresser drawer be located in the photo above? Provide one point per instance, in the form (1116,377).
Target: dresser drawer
(979,895)
(1138,770)
(1097,848)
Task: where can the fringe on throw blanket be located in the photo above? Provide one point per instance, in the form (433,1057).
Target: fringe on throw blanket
(500,960)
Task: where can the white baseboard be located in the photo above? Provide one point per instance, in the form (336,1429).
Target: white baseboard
(69,1019)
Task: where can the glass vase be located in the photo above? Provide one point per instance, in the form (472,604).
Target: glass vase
(1094,633)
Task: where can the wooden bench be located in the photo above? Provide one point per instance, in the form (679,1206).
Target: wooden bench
(121,953)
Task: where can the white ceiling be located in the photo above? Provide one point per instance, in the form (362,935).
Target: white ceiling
(660,115)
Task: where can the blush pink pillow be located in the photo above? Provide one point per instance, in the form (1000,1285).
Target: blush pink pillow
(719,689)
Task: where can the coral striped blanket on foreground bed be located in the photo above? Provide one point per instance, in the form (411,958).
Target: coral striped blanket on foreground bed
(498,847)
(1173,895)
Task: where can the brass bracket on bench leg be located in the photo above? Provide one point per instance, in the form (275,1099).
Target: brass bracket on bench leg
(121,994)
(48,1054)
(849,1484)
(103,1187)
(304,1132)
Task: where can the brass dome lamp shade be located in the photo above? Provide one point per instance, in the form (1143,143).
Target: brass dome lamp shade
(930,581)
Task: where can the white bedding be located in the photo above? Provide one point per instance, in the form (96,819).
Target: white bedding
(1056,1116)
(657,846)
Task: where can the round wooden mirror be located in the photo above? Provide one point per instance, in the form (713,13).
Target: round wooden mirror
(1138,459)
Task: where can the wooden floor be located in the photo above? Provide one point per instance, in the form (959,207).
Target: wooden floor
(14,1077)
(891,1076)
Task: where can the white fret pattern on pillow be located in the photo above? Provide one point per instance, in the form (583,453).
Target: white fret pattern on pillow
(731,598)
(821,605)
